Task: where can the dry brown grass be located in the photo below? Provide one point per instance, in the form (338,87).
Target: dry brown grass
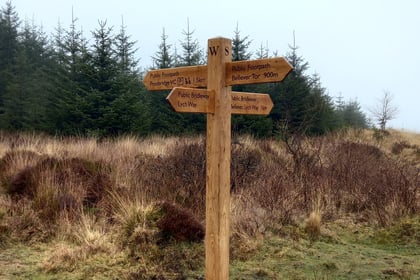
(102,195)
(411,137)
(313,224)
(133,216)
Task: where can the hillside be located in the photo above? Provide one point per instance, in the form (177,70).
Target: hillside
(342,206)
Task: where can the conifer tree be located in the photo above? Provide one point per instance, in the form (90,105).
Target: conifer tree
(257,125)
(240,46)
(164,120)
(25,95)
(9,24)
(36,73)
(103,69)
(302,106)
(163,57)
(262,52)
(129,112)
(192,53)
(67,107)
(125,51)
(350,114)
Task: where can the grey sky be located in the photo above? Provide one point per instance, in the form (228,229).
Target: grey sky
(359,48)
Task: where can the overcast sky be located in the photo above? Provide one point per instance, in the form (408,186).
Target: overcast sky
(359,48)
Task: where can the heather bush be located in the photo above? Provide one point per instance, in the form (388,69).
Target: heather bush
(246,163)
(55,187)
(178,224)
(22,223)
(363,179)
(15,161)
(178,177)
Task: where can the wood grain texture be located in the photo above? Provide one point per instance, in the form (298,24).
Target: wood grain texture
(218,163)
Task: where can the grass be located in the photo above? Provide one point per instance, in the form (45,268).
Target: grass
(341,252)
(344,206)
(346,253)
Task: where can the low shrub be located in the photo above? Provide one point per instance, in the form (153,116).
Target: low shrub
(56,186)
(179,177)
(179,224)
(15,161)
(23,224)
(363,179)
(246,163)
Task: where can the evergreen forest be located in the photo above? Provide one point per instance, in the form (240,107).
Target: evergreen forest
(67,84)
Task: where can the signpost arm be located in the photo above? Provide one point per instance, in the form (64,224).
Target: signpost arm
(218,144)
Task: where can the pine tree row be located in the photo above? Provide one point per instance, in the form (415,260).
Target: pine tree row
(69,85)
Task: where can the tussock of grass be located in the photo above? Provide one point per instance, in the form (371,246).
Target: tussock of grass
(63,257)
(135,218)
(91,233)
(84,240)
(313,225)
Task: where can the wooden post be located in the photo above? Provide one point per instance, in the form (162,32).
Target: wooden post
(217,101)
(218,143)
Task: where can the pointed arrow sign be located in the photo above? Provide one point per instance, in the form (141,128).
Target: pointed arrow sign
(251,103)
(190,76)
(191,100)
(257,71)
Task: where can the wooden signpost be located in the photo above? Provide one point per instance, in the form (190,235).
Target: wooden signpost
(218,102)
